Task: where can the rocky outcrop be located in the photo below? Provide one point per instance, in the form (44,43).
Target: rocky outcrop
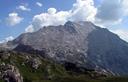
(10,73)
(33,62)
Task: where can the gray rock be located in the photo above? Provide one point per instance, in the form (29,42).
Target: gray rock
(10,73)
(34,62)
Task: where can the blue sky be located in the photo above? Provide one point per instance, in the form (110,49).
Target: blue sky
(9,6)
(17,15)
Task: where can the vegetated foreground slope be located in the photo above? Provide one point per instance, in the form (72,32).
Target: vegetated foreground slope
(22,67)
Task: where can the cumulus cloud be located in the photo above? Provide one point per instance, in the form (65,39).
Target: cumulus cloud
(50,18)
(51,11)
(23,8)
(13,19)
(10,38)
(29,29)
(122,33)
(39,4)
(112,12)
(81,10)
(109,11)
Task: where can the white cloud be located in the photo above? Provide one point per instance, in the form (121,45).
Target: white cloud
(109,11)
(29,29)
(51,11)
(82,10)
(10,38)
(39,4)
(122,33)
(112,12)
(23,8)
(13,19)
(125,7)
(50,18)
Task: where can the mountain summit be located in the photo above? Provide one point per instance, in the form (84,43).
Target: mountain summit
(81,43)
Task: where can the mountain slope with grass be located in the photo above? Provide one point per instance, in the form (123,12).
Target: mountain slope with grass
(32,68)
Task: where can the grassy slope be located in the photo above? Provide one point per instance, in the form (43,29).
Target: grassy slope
(56,72)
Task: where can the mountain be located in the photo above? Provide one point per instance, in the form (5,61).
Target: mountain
(81,43)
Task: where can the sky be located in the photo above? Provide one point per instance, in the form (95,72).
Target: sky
(22,16)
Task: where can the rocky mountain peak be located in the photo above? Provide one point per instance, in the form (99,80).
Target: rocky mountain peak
(81,43)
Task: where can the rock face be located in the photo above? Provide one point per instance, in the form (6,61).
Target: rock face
(34,62)
(10,73)
(81,43)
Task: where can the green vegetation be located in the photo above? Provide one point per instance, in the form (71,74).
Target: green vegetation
(51,72)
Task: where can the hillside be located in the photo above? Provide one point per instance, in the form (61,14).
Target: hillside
(31,68)
(49,71)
